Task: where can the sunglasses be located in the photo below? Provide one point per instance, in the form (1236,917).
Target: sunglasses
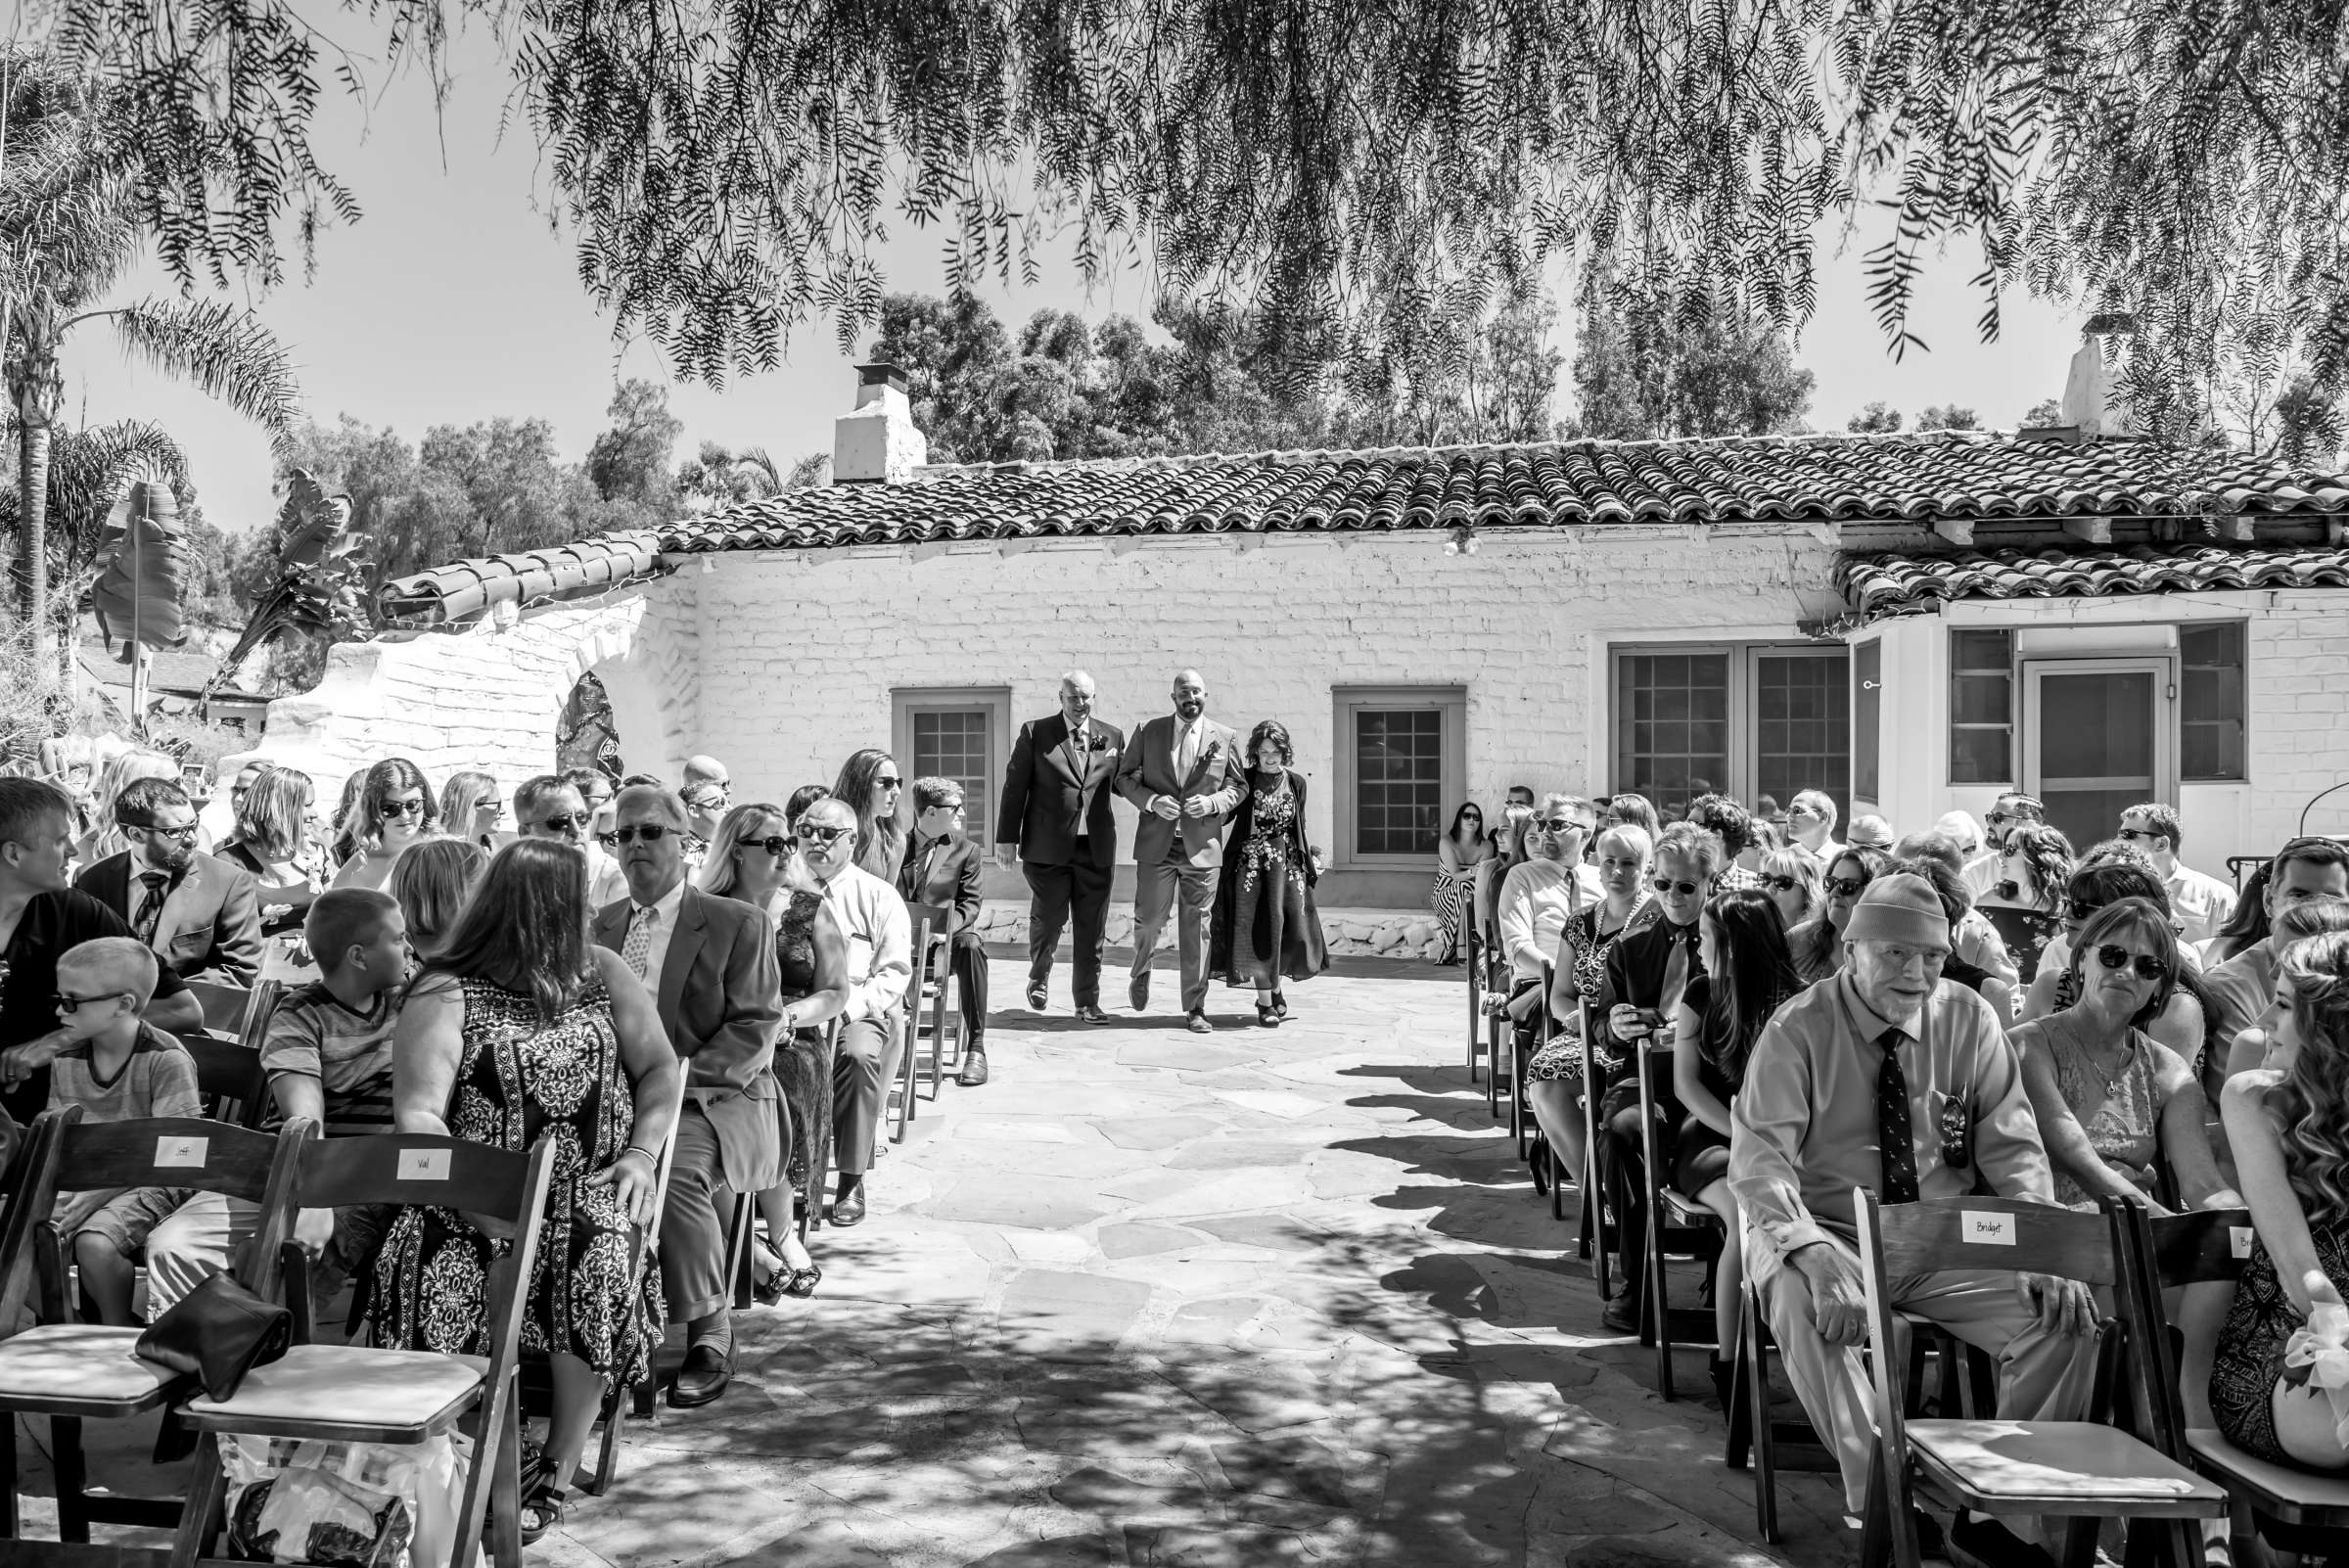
(1666,885)
(888,781)
(1562,824)
(650,832)
(2080,909)
(185,835)
(2112,955)
(818,833)
(1845,887)
(407,807)
(69,1004)
(777,844)
(2131,835)
(1780,884)
(563,824)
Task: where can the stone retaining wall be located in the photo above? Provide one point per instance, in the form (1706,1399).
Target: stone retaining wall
(1351,933)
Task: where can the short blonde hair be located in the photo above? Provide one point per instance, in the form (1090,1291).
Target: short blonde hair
(122,964)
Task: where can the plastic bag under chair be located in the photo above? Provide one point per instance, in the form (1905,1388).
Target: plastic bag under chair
(344,1504)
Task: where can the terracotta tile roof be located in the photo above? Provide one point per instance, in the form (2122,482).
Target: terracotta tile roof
(1897,480)
(1880,585)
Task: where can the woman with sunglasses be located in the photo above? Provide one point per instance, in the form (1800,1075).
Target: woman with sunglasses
(2112,1102)
(1554,1075)
(1817,944)
(2107,876)
(394,810)
(1746,974)
(2026,902)
(1462,849)
(753,857)
(273,842)
(1791,879)
(472,808)
(869,784)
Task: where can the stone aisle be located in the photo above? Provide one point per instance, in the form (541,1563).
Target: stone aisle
(1155,1298)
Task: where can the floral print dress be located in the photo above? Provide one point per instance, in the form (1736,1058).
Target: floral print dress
(1266,927)
(519,1078)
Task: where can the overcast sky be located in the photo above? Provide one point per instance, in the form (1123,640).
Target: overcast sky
(452,302)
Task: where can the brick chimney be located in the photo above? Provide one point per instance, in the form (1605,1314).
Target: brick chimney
(877,444)
(2087,401)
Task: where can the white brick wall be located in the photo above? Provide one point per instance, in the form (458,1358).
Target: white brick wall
(2299,716)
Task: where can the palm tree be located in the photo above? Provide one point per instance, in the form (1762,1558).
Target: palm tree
(69,233)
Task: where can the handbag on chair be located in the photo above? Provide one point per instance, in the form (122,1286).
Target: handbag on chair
(216,1333)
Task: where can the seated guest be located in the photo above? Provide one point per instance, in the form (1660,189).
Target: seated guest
(704,806)
(1538,898)
(942,868)
(432,884)
(2010,813)
(104,837)
(869,784)
(549,806)
(2245,929)
(2200,904)
(200,914)
(2288,1127)
(1871,833)
(1973,938)
(273,845)
(1746,974)
(1811,819)
(2025,900)
(1817,944)
(754,860)
(523,1030)
(1462,848)
(42,919)
(393,808)
(1852,1085)
(1647,976)
(118,1068)
(1729,822)
(470,808)
(880,938)
(1635,810)
(2305,874)
(1791,879)
(2094,884)
(1944,879)
(343,842)
(1554,1075)
(709,965)
(593,784)
(1962,832)
(701,772)
(2111,1100)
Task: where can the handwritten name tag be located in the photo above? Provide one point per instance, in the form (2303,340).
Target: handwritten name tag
(1983,1229)
(424,1165)
(181,1153)
(2239,1240)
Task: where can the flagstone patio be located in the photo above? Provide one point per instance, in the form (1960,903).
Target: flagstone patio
(1170,1301)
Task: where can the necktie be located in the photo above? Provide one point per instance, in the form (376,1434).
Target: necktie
(1894,1139)
(637,950)
(1675,973)
(151,905)
(1187,756)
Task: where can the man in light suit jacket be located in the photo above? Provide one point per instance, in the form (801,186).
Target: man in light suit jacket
(710,967)
(942,869)
(1185,773)
(1055,812)
(200,914)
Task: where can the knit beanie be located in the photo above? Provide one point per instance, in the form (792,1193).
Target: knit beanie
(1901,908)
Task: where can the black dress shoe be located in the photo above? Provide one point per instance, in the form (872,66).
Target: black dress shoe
(1197,1023)
(974,1065)
(1623,1313)
(1091,1013)
(702,1377)
(1037,994)
(848,1208)
(1137,991)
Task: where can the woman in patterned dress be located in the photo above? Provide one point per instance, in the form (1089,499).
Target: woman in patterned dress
(520,1030)
(2287,1121)
(1457,854)
(1553,1075)
(754,859)
(1264,926)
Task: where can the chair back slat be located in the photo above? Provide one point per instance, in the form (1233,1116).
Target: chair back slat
(166,1152)
(413,1167)
(227,1071)
(2198,1245)
(2009,1235)
(224,1006)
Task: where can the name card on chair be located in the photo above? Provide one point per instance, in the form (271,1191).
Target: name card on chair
(1982,1228)
(2239,1240)
(424,1165)
(181,1153)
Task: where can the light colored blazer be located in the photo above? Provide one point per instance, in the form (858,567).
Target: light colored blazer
(1219,776)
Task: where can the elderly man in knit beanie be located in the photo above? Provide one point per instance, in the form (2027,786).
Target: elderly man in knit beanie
(1884,1077)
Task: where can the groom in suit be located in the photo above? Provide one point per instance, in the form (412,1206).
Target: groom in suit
(1055,812)
(709,964)
(1186,775)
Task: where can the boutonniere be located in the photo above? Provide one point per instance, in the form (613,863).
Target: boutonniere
(1956,1132)
(1215,749)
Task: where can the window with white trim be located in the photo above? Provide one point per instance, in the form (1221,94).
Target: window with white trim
(1741,720)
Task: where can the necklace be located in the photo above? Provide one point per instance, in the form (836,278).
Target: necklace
(2119,1075)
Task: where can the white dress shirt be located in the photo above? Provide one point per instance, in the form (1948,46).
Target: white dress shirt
(664,926)
(1537,899)
(879,936)
(2202,903)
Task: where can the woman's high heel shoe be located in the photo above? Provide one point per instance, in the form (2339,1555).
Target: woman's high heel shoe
(769,1291)
(1268,1015)
(805,1280)
(1280,1007)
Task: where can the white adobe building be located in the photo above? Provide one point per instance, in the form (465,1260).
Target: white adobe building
(1911,621)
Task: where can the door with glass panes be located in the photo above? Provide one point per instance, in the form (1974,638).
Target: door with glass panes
(1743,720)
(2097,739)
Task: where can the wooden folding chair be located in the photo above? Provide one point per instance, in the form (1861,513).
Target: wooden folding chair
(932,991)
(820,1135)
(228,1049)
(1675,1223)
(2085,1469)
(1472,965)
(902,1018)
(643,1247)
(356,1394)
(224,1006)
(2166,1252)
(1499,1032)
(73,1372)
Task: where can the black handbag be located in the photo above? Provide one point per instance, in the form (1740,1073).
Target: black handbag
(216,1333)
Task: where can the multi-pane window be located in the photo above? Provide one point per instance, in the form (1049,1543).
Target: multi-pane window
(1980,707)
(1402,762)
(957,734)
(2211,704)
(1745,722)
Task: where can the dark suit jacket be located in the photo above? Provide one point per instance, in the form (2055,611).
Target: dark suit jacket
(721,1002)
(1052,797)
(951,881)
(1219,776)
(211,928)
(1635,975)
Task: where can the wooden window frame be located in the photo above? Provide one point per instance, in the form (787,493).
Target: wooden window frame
(995,702)
(1348,701)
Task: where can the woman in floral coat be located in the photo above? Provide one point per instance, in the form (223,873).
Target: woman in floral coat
(1265,927)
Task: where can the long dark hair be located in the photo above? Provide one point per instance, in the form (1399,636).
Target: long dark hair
(1756,974)
(2048,854)
(363,817)
(855,789)
(2247,927)
(526,928)
(1482,832)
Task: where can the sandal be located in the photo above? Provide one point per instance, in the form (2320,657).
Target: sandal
(769,1291)
(542,1500)
(805,1280)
